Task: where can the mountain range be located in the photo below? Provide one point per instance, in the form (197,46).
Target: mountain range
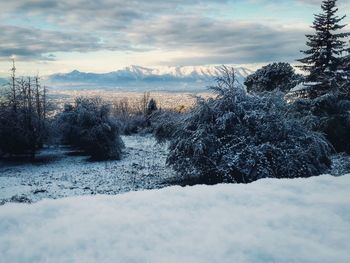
(189,78)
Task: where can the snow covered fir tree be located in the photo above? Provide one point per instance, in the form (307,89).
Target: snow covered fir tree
(326,57)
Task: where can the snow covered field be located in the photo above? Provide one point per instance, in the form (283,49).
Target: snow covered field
(142,167)
(271,220)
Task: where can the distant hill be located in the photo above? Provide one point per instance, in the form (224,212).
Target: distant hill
(142,78)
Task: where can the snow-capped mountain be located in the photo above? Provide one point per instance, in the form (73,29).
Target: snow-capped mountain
(155,78)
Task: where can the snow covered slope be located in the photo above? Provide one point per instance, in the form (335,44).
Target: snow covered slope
(166,78)
(299,220)
(61,175)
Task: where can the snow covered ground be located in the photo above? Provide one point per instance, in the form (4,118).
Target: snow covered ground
(142,167)
(271,220)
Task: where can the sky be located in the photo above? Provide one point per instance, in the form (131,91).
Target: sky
(49,36)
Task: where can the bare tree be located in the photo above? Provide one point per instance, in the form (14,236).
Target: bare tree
(13,84)
(23,110)
(37,96)
(144,102)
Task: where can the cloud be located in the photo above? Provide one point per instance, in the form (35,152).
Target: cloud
(221,41)
(29,43)
(31,29)
(34,29)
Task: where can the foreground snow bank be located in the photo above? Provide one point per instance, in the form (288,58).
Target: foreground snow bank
(300,220)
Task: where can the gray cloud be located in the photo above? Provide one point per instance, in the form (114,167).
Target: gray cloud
(69,25)
(219,41)
(32,43)
(134,25)
(76,13)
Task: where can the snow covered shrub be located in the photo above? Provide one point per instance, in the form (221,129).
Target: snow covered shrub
(88,126)
(238,137)
(340,164)
(276,76)
(18,131)
(132,123)
(332,117)
(165,124)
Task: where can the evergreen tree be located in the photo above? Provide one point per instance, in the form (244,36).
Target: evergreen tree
(151,107)
(344,86)
(276,76)
(326,46)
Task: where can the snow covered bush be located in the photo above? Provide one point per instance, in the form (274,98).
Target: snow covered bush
(132,123)
(88,127)
(18,133)
(331,115)
(340,164)
(276,76)
(165,124)
(238,137)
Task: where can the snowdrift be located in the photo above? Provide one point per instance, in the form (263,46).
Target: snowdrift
(299,220)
